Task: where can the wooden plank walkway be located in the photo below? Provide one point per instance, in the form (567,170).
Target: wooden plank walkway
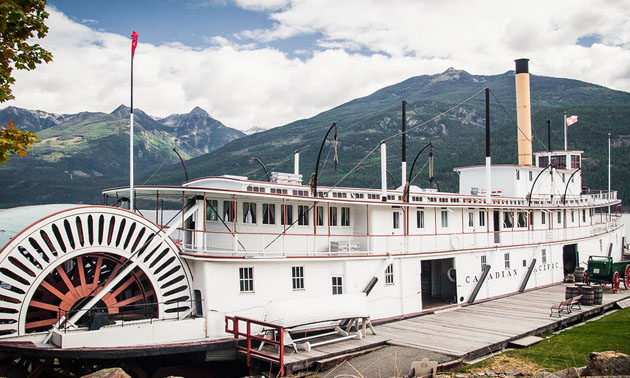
(465,332)
(471,331)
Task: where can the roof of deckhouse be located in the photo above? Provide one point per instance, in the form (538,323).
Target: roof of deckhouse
(423,197)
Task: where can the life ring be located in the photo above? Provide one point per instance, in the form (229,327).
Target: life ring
(450,274)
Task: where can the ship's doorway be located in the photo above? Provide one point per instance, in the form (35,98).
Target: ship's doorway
(438,282)
(570,258)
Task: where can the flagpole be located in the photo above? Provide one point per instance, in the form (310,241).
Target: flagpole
(134,41)
(609,176)
(565,130)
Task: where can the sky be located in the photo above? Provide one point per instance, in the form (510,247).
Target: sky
(266,63)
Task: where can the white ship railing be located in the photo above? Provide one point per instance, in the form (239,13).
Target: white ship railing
(250,245)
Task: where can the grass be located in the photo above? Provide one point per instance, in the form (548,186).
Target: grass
(570,348)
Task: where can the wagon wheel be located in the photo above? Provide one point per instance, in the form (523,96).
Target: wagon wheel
(626,277)
(615,282)
(586,281)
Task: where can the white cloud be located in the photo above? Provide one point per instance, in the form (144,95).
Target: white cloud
(248,83)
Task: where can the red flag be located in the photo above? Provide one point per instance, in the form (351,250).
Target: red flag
(571,120)
(134,42)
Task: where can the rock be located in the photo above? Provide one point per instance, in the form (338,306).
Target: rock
(570,373)
(108,373)
(546,374)
(607,363)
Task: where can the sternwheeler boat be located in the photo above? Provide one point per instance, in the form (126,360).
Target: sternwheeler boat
(103,280)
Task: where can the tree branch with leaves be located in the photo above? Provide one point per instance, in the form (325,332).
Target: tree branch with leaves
(20,21)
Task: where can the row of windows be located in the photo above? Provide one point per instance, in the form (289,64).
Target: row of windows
(250,213)
(303,219)
(246,279)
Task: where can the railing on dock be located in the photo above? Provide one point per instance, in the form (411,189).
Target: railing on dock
(236,331)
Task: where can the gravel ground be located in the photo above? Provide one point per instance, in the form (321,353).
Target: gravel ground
(389,361)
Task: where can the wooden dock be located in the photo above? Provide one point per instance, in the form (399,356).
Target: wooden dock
(464,332)
(471,331)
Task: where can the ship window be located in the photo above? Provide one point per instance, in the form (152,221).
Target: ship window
(288,213)
(601,245)
(396,219)
(543,256)
(389,274)
(249,212)
(543,217)
(531,175)
(337,285)
(332,216)
(320,215)
(506,257)
(212,210)
(471,219)
(228,211)
(559,217)
(484,261)
(297,277)
(524,262)
(522,219)
(345,216)
(482,218)
(508,221)
(518,174)
(269,213)
(302,215)
(575,161)
(444,217)
(572,216)
(584,215)
(563,178)
(543,161)
(420,217)
(246,279)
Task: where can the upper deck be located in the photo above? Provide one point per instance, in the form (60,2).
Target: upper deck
(236,217)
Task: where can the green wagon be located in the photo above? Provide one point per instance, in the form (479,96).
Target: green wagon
(603,270)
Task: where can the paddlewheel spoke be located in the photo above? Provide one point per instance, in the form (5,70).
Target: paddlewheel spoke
(71,285)
(626,277)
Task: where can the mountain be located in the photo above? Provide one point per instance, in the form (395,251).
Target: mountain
(79,153)
(448,110)
(199,130)
(254,130)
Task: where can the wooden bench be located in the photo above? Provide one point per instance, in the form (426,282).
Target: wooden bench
(562,306)
(576,301)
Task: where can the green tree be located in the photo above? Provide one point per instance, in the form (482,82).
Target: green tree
(20,20)
(15,141)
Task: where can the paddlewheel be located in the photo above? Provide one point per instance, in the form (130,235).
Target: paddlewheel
(67,267)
